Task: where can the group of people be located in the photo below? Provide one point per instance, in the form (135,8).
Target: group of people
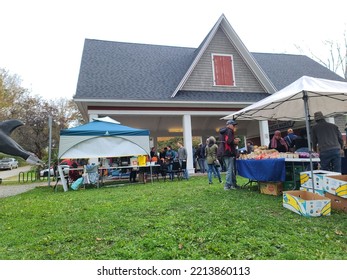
(326,140)
(211,157)
(221,155)
(169,156)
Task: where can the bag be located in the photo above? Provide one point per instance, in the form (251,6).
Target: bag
(216,163)
(75,185)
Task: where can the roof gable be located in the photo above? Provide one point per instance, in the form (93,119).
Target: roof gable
(240,48)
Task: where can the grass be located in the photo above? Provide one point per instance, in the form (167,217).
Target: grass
(180,220)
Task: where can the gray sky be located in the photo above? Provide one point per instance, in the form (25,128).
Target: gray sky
(42,40)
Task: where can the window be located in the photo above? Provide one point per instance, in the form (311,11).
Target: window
(223,70)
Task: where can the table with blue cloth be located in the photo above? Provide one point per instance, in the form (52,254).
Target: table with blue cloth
(264,170)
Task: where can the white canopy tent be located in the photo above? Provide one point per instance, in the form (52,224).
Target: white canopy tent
(299,101)
(101,138)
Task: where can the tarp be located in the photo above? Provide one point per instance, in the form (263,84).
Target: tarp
(103,138)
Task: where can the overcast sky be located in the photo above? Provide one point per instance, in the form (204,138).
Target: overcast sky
(42,40)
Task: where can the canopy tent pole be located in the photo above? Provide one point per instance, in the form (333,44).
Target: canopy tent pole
(307,116)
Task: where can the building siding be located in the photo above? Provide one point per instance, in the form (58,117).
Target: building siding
(201,78)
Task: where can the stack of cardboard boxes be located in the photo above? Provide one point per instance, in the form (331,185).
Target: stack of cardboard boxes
(332,185)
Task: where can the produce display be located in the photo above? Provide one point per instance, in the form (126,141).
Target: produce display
(262,152)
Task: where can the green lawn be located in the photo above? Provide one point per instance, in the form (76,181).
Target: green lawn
(180,220)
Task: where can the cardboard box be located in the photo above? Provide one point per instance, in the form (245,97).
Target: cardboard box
(271,188)
(320,192)
(318,178)
(337,202)
(306,203)
(336,185)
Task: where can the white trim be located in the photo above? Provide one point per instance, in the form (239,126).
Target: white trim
(160,113)
(106,102)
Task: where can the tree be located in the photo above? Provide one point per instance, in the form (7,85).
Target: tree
(17,102)
(10,93)
(337,56)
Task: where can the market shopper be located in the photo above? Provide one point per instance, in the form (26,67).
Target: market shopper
(228,144)
(290,138)
(200,157)
(327,140)
(170,156)
(300,143)
(211,157)
(278,143)
(182,158)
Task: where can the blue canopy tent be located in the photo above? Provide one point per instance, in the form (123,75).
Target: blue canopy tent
(103,137)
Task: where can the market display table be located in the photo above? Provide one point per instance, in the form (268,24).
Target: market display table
(264,170)
(273,170)
(141,169)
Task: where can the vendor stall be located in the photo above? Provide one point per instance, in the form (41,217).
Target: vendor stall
(268,165)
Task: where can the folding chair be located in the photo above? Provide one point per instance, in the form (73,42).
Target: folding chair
(91,175)
(176,170)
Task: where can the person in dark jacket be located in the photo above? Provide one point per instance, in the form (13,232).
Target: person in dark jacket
(200,157)
(327,138)
(228,144)
(278,143)
(300,143)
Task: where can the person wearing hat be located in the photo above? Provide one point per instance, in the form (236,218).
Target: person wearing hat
(228,147)
(327,138)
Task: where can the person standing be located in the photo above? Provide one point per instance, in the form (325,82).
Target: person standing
(278,143)
(290,139)
(228,143)
(200,157)
(301,142)
(182,158)
(327,139)
(211,157)
(169,159)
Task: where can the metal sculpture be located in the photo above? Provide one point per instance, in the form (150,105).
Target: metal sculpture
(11,147)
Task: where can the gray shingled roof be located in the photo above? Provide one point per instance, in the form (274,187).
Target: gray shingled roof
(131,71)
(114,70)
(283,69)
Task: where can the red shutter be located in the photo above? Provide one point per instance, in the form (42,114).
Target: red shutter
(223,73)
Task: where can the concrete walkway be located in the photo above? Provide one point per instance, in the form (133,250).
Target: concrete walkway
(12,190)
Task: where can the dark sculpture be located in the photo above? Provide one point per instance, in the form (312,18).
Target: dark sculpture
(10,147)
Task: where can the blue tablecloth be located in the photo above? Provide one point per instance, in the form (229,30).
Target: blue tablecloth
(264,170)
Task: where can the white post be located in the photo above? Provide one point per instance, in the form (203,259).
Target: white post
(188,142)
(49,150)
(264,133)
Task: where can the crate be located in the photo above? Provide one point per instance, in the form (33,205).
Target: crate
(290,185)
(337,202)
(306,203)
(271,188)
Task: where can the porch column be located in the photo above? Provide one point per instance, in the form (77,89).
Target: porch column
(264,133)
(188,141)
